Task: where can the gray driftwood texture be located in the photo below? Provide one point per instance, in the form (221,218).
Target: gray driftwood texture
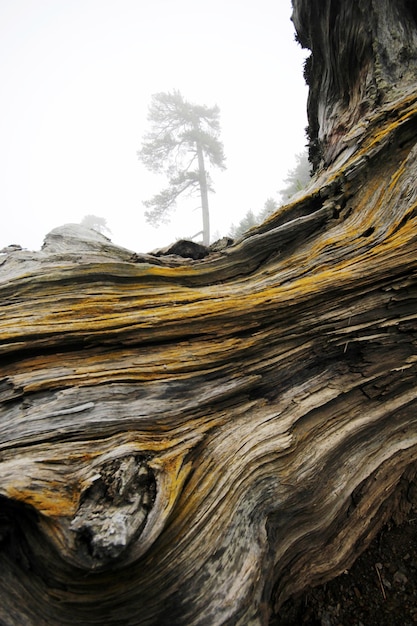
(189,442)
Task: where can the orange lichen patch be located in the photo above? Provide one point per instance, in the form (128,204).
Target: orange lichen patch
(54,499)
(372,135)
(53,485)
(389,119)
(174,471)
(112,322)
(152,363)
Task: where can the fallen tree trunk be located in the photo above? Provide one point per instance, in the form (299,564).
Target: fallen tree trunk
(191,442)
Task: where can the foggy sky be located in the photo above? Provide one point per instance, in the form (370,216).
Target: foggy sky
(77,77)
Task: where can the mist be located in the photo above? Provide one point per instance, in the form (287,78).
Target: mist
(77,80)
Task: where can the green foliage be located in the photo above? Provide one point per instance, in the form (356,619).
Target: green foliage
(245,223)
(161,203)
(297,178)
(251,219)
(181,137)
(96,223)
(270,207)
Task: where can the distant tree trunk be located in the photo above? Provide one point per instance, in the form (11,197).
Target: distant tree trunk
(204,196)
(192,442)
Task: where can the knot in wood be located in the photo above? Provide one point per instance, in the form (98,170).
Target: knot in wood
(113,510)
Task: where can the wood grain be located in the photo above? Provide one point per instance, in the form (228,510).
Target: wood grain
(191,442)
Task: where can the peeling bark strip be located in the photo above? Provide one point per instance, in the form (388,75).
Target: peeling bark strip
(190,442)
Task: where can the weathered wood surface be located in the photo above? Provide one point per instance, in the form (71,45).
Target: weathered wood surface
(190,442)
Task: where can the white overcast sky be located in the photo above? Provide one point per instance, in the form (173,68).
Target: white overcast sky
(77,77)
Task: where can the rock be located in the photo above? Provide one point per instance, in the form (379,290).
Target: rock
(221,244)
(400,578)
(12,248)
(184,248)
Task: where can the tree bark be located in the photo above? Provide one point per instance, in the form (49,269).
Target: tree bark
(202,177)
(192,442)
